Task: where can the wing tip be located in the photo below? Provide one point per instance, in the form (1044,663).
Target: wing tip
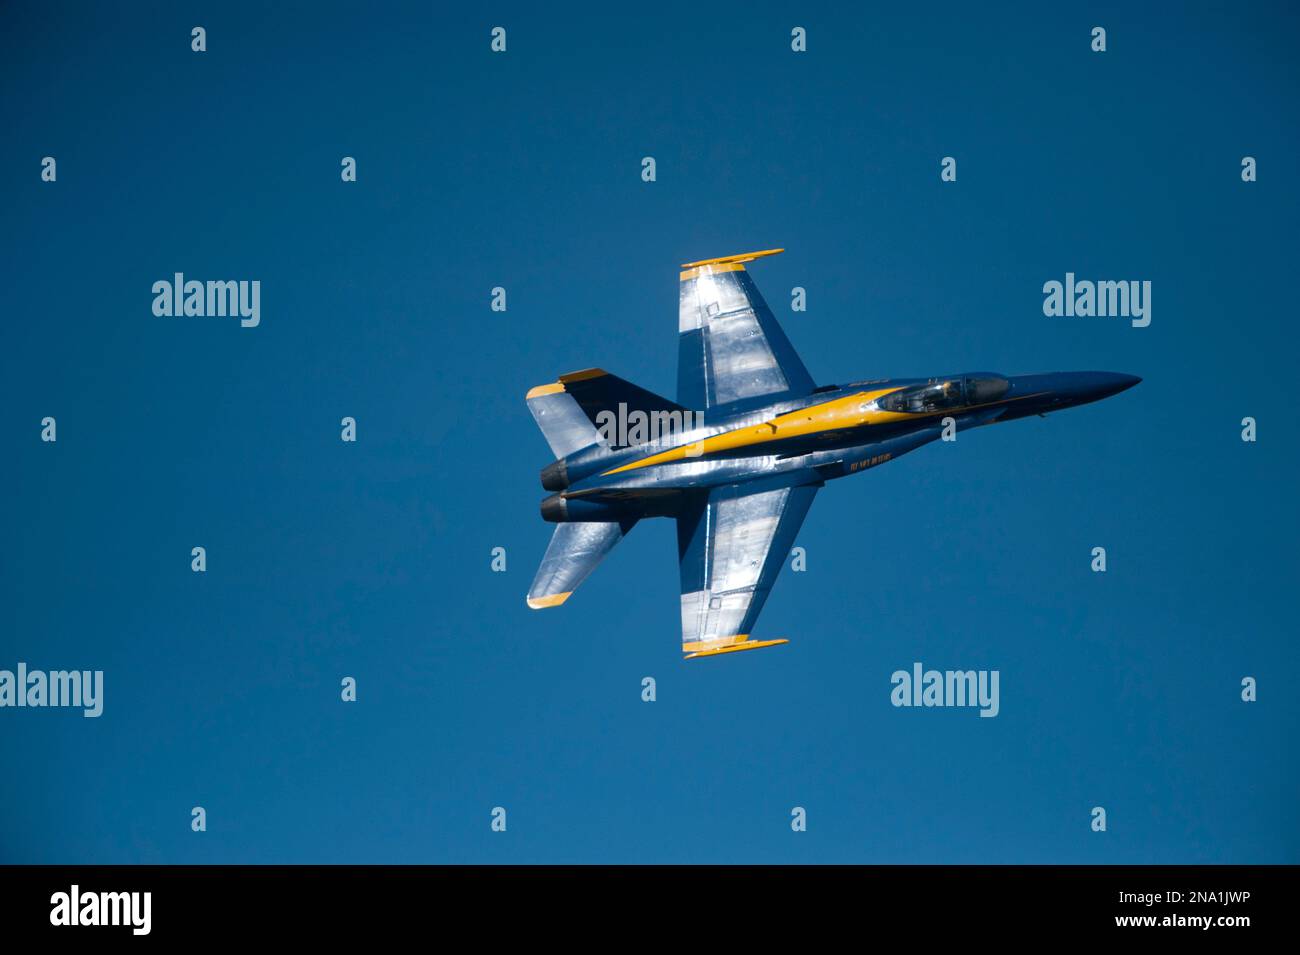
(550,600)
(739,259)
(715,650)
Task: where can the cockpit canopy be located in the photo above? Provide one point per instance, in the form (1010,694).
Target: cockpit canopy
(939,395)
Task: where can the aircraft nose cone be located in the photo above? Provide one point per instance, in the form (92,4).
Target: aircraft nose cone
(1107,383)
(1066,389)
(1082,387)
(1090,385)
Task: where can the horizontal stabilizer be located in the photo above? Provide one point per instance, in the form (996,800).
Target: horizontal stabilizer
(564,425)
(575,550)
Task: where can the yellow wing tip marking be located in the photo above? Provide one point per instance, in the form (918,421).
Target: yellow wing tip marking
(732,259)
(541,390)
(714,651)
(725,263)
(553,600)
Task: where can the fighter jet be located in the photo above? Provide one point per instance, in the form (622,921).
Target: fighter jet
(737,459)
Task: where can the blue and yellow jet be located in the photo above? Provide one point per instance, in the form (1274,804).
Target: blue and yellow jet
(738,458)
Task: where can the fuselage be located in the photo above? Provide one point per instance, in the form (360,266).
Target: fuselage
(836,431)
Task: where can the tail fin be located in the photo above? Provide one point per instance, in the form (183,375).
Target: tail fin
(597,390)
(575,550)
(570,411)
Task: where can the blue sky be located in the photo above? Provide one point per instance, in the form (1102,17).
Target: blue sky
(522,170)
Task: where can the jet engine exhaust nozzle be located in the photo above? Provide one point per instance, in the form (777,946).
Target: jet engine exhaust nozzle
(553,509)
(555,476)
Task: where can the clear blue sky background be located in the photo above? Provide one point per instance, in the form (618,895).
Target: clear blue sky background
(372,560)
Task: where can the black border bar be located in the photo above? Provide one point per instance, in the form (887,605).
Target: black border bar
(206,903)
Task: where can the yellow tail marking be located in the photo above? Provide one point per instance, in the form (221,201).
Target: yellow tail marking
(558,386)
(583,375)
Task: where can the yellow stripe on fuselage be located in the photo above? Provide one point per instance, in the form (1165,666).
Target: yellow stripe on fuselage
(840,413)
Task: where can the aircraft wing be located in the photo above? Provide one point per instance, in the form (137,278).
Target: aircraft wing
(730,346)
(731,546)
